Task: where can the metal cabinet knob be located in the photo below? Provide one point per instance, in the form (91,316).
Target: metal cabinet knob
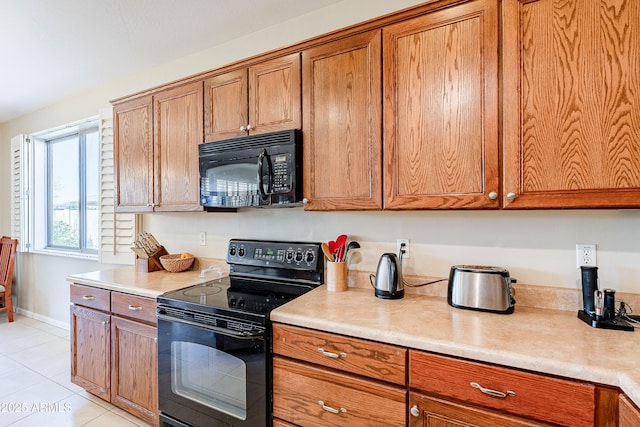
(493,195)
(511,196)
(243,128)
(415,411)
(249,127)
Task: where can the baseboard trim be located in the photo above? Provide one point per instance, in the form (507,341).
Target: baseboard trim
(42,318)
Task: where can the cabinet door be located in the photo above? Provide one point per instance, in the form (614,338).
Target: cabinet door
(133,155)
(177,133)
(629,413)
(571,104)
(90,344)
(441,110)
(134,377)
(428,411)
(225,105)
(343,123)
(275,95)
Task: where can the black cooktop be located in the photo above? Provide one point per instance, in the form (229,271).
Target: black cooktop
(232,294)
(264,275)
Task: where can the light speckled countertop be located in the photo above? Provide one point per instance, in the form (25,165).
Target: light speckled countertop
(130,280)
(548,341)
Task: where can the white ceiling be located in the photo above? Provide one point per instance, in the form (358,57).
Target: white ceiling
(53,49)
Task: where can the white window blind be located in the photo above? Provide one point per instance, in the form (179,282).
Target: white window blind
(117,230)
(20,191)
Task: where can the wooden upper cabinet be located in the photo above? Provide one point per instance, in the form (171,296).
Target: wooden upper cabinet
(342,124)
(225,106)
(571,104)
(274,95)
(441,109)
(133,155)
(263,98)
(178,130)
(156,150)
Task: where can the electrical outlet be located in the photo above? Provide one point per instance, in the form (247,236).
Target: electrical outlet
(586,255)
(399,247)
(203,238)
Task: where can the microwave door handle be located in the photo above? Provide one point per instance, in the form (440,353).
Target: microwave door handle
(264,155)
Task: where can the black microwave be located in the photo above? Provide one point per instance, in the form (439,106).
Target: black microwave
(261,170)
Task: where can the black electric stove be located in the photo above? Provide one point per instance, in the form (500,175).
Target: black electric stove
(263,275)
(214,339)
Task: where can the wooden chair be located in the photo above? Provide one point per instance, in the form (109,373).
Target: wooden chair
(8,248)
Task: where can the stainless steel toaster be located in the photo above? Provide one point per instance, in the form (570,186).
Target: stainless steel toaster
(478,287)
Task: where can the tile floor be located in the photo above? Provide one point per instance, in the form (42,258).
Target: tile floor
(34,381)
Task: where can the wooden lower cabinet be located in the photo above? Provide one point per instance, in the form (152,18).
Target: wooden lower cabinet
(628,413)
(113,349)
(281,423)
(134,359)
(325,379)
(90,341)
(307,395)
(429,411)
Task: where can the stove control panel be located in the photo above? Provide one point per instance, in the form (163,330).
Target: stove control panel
(275,254)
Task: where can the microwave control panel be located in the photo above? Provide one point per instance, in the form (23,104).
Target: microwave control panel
(281,173)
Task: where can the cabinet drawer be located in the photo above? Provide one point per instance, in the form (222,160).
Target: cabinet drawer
(536,396)
(375,360)
(301,390)
(134,307)
(280,423)
(88,296)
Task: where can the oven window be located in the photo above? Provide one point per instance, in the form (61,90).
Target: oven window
(210,377)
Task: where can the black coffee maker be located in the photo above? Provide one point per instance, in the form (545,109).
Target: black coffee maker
(599,307)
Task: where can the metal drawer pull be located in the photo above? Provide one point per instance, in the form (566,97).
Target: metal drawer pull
(494,393)
(330,409)
(88,297)
(332,355)
(135,307)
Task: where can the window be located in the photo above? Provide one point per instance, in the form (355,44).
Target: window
(62,193)
(73,191)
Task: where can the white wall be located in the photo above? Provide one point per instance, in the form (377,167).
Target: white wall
(538,247)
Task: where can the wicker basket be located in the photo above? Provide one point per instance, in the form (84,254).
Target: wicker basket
(175,264)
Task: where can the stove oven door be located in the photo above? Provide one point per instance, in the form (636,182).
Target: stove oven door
(211,376)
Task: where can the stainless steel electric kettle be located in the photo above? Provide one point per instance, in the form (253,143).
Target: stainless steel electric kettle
(389,277)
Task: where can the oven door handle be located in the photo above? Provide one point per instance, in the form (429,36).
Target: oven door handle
(241,335)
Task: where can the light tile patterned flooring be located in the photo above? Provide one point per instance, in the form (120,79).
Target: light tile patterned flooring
(34,381)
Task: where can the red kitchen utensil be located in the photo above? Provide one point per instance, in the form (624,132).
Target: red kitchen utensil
(341,241)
